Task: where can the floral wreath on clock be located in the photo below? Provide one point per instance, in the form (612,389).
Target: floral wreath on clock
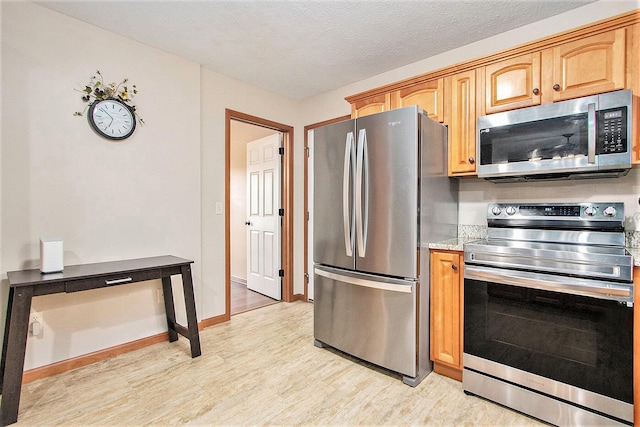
(96,90)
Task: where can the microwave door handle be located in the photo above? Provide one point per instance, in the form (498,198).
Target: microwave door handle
(349,154)
(591,133)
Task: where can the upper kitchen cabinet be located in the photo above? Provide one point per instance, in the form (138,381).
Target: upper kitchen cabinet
(599,57)
(512,83)
(585,67)
(460,115)
(371,105)
(428,96)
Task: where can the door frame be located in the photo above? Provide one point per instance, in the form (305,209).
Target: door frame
(306,195)
(286,196)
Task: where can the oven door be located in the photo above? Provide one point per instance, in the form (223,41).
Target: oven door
(528,328)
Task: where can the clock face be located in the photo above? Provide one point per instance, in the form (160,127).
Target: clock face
(112,119)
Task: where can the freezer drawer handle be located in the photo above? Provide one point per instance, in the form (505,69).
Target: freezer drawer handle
(366,283)
(349,159)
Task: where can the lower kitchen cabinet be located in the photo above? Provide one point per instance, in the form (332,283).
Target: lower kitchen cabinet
(447,296)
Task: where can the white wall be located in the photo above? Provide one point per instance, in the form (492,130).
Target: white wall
(476,193)
(218,93)
(107,200)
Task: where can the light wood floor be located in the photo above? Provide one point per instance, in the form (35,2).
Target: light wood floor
(259,368)
(243,299)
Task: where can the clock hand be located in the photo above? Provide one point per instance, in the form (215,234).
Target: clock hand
(105,111)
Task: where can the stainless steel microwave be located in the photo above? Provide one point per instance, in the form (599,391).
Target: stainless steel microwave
(586,137)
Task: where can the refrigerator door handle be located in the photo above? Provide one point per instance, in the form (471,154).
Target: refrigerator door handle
(349,159)
(362,193)
(407,289)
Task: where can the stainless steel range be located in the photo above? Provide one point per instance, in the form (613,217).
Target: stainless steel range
(548,313)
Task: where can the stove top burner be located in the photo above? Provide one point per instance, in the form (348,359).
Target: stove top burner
(579,240)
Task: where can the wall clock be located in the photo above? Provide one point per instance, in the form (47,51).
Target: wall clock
(111,119)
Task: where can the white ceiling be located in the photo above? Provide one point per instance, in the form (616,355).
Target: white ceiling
(302,48)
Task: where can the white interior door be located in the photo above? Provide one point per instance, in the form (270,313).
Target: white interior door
(263,219)
(310,213)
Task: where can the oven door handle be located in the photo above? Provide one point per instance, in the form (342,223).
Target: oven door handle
(547,282)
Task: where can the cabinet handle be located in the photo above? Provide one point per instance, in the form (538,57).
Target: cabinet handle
(536,91)
(454,267)
(472,160)
(247,223)
(556,87)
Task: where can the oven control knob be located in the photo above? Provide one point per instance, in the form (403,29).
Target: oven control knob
(610,211)
(511,210)
(496,210)
(590,211)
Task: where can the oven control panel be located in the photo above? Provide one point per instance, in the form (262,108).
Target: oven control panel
(542,214)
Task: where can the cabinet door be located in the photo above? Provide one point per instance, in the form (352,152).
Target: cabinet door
(447,312)
(460,115)
(375,104)
(428,96)
(589,66)
(512,83)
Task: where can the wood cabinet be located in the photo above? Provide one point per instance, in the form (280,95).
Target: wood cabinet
(595,58)
(583,67)
(512,83)
(587,66)
(372,105)
(429,96)
(460,115)
(447,297)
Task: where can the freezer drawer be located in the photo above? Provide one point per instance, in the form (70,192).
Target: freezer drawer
(367,316)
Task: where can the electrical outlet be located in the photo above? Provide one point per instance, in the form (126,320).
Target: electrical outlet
(160,295)
(35,317)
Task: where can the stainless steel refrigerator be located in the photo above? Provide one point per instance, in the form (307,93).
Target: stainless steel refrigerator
(381,194)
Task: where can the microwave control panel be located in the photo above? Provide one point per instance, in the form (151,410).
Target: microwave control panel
(612,131)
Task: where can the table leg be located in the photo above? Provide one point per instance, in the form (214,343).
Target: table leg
(7,325)
(169,308)
(190,305)
(15,341)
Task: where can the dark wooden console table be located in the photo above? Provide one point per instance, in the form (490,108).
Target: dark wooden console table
(25,284)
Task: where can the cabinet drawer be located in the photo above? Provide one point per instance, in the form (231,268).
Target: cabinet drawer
(111,280)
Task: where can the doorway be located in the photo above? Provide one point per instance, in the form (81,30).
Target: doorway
(239,129)
(254,284)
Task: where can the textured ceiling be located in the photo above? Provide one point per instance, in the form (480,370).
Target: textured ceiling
(303,48)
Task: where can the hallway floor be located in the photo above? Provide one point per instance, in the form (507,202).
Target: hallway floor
(244,299)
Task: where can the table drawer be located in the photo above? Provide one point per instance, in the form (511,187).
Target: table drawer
(111,280)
